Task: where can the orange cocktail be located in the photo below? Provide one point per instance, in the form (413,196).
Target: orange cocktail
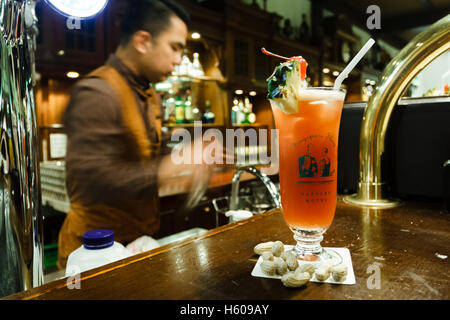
(308,145)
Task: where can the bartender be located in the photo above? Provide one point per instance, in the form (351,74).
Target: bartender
(113,124)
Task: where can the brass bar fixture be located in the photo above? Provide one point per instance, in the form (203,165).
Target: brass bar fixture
(21,221)
(414,57)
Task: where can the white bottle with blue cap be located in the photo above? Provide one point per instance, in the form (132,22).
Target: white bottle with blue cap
(98,249)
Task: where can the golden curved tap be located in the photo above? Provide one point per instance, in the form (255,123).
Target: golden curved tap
(415,56)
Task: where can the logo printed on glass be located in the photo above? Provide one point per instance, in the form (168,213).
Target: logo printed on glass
(314,161)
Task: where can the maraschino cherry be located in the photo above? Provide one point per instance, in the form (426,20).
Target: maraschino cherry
(303,63)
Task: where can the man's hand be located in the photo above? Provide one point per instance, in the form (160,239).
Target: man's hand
(169,170)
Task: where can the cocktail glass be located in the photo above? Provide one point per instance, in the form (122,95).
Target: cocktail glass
(308,147)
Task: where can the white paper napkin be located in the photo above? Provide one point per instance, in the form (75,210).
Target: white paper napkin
(343,252)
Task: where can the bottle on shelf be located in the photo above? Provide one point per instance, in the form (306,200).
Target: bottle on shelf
(197,69)
(240,115)
(188,111)
(169,105)
(179,110)
(250,117)
(185,65)
(234,111)
(208,116)
(197,114)
(245,111)
(176,71)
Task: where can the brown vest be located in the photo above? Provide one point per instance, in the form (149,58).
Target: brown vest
(133,218)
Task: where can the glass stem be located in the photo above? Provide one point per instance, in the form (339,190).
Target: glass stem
(308,242)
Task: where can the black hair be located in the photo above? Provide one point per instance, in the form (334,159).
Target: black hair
(152,16)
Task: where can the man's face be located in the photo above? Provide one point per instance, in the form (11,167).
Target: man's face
(164,52)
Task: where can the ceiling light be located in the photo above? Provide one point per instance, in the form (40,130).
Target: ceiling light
(61,53)
(335,73)
(252,93)
(239,92)
(196,35)
(325,70)
(78,9)
(372,83)
(72,74)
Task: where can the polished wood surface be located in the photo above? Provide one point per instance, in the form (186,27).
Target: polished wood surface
(408,243)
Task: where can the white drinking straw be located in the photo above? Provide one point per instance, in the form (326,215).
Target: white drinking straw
(344,74)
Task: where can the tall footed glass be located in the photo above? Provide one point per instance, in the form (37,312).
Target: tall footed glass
(308,146)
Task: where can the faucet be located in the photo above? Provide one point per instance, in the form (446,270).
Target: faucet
(415,56)
(275,195)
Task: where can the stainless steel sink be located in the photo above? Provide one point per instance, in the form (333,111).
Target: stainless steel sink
(254,197)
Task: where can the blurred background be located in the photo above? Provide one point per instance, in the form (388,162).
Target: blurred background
(224,70)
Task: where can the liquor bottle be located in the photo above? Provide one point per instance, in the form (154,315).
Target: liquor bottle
(179,110)
(165,103)
(246,110)
(250,117)
(208,116)
(240,115)
(176,71)
(234,110)
(188,115)
(197,114)
(197,70)
(185,65)
(169,114)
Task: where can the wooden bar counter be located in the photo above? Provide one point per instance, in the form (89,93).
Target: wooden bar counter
(410,244)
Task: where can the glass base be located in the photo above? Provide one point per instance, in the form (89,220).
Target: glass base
(308,248)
